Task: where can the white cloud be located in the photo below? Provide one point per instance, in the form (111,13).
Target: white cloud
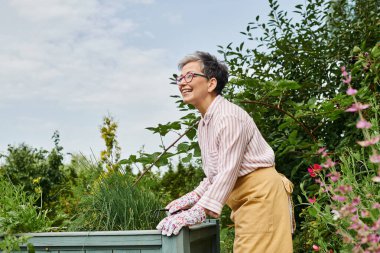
(63,59)
(50,10)
(80,57)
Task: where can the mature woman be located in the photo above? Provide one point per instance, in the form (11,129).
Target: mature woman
(238,164)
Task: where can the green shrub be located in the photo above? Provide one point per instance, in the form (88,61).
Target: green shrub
(18,214)
(177,182)
(343,213)
(227,235)
(38,171)
(115,204)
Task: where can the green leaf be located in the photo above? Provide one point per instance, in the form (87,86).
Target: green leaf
(175,125)
(124,161)
(197,150)
(299,199)
(187,159)
(356,50)
(293,137)
(275,93)
(191,133)
(183,147)
(286,84)
(313,212)
(375,52)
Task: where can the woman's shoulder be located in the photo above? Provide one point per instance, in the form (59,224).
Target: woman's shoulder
(228,109)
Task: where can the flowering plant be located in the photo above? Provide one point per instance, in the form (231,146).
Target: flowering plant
(343,213)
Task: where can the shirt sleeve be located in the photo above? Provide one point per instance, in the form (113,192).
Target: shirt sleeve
(202,187)
(232,137)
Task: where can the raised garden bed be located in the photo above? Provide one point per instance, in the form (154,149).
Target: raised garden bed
(202,238)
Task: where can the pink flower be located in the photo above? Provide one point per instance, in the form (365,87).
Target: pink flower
(364,213)
(355,218)
(318,181)
(344,189)
(348,209)
(317,167)
(357,107)
(376,179)
(347,79)
(375,158)
(356,201)
(315,247)
(329,163)
(362,123)
(334,176)
(369,142)
(354,226)
(322,151)
(350,91)
(376,225)
(376,206)
(328,188)
(373,238)
(312,200)
(313,170)
(339,198)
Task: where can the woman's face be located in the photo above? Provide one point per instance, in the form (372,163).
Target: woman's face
(196,91)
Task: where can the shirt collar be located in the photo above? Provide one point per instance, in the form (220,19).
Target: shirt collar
(211,109)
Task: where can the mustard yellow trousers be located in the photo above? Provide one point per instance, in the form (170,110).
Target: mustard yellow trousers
(260,211)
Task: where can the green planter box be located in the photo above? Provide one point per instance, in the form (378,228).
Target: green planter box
(202,238)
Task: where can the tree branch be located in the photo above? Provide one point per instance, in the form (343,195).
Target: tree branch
(163,152)
(302,125)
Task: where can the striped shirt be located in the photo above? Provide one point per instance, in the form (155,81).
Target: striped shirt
(231,146)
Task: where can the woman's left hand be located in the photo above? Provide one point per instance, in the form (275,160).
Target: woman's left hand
(172,224)
(212,214)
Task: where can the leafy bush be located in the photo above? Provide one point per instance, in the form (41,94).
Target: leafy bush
(38,171)
(344,213)
(179,181)
(18,214)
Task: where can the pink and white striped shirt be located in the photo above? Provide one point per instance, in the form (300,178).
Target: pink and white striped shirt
(231,147)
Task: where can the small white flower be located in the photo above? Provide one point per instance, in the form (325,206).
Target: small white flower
(336,214)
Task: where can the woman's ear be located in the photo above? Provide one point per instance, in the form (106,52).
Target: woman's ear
(212,84)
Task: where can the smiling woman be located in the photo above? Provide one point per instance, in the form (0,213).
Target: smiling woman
(238,164)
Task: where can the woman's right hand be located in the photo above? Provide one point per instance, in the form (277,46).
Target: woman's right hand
(184,202)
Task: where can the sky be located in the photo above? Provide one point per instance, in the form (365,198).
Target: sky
(65,64)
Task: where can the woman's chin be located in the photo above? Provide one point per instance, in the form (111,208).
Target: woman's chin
(186,99)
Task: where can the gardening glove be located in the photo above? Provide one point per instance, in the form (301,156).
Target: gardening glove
(183,202)
(173,224)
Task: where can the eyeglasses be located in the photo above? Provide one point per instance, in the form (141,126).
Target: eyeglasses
(188,77)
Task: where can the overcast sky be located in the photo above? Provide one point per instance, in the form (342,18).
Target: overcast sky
(64,64)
